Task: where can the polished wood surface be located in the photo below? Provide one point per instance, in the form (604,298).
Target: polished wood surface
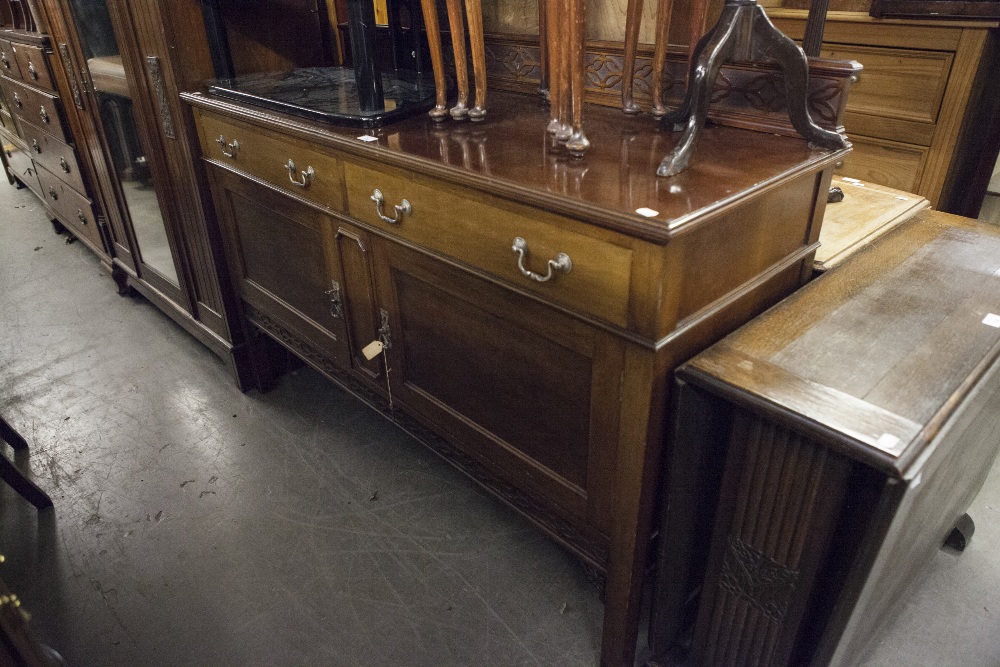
(867,211)
(607,189)
(436,281)
(857,420)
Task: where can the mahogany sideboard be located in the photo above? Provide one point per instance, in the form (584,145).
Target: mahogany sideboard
(837,440)
(545,379)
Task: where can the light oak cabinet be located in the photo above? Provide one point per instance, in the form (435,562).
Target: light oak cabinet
(907,113)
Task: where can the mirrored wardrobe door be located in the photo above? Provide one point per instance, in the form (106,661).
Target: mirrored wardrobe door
(117,97)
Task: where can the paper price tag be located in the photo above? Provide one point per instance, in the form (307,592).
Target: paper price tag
(372,349)
(368,137)
(992,320)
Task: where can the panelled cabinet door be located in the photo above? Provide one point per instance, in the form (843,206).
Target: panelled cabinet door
(522,389)
(284,264)
(352,253)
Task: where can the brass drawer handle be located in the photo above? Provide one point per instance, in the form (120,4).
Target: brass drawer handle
(32,72)
(307,176)
(17,101)
(64,165)
(229,150)
(80,216)
(561,263)
(35,146)
(4,60)
(402,208)
(53,194)
(43,114)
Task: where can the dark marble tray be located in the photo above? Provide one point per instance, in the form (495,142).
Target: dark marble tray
(330,94)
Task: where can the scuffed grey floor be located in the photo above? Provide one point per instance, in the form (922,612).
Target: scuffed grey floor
(195,525)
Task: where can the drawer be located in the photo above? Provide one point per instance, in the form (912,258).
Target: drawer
(33,63)
(8,60)
(20,164)
(73,209)
(37,107)
(54,155)
(266,156)
(482,232)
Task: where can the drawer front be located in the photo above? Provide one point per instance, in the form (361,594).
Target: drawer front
(20,164)
(896,83)
(482,232)
(315,176)
(898,166)
(73,209)
(54,155)
(8,60)
(37,107)
(33,64)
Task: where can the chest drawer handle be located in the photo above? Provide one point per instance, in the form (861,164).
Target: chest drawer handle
(4,60)
(80,216)
(32,72)
(402,208)
(44,115)
(229,150)
(35,146)
(64,165)
(561,263)
(17,101)
(307,176)
(53,194)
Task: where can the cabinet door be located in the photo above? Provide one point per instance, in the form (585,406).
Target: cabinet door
(353,251)
(531,394)
(281,253)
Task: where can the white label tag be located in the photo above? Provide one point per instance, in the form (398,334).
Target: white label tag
(992,320)
(372,349)
(850,180)
(647,212)
(887,441)
(368,137)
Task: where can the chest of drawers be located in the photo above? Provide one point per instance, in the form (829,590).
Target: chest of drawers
(43,156)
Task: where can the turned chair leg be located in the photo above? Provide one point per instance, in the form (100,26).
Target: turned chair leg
(633,20)
(474,12)
(664,9)
(455,23)
(440,110)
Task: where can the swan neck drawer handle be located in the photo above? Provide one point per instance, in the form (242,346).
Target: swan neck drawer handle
(43,114)
(307,176)
(561,263)
(402,208)
(228,149)
(32,72)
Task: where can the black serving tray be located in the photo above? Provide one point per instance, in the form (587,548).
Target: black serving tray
(330,94)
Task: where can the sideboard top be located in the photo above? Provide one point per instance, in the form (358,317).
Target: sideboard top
(509,155)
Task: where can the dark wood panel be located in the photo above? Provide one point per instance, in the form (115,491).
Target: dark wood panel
(529,391)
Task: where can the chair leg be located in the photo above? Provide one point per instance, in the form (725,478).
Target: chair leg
(24,486)
(10,436)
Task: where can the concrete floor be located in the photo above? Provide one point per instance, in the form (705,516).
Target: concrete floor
(195,525)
